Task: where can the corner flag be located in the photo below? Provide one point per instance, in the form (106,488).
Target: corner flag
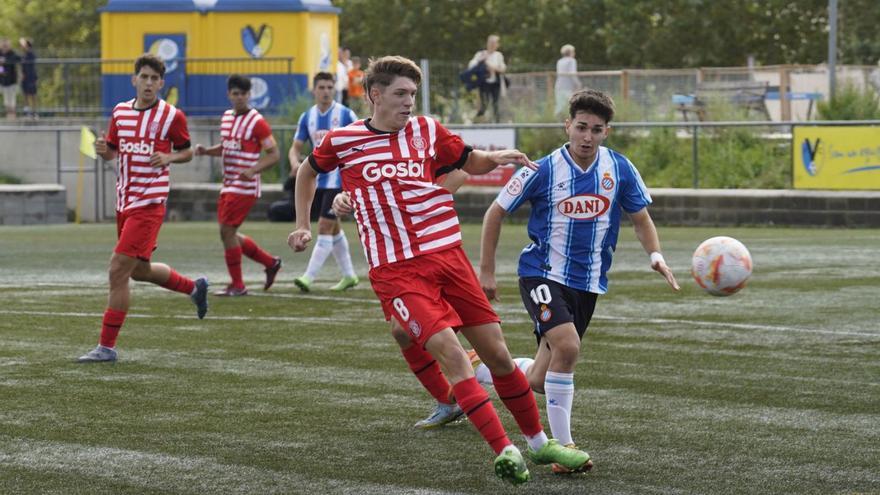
(87,143)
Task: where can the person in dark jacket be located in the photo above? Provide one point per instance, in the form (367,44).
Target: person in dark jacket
(29,77)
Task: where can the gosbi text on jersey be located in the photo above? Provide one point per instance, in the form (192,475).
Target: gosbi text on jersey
(241,141)
(399,210)
(136,134)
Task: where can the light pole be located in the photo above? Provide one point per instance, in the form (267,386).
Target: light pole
(832,47)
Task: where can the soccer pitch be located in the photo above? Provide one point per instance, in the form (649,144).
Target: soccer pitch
(773,390)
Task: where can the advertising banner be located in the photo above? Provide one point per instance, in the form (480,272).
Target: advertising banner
(836,157)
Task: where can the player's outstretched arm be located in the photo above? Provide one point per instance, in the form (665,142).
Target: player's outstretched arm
(202,150)
(482,162)
(647,234)
(293,156)
(453,180)
(306,181)
(488,247)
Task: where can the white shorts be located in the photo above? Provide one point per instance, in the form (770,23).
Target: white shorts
(9,93)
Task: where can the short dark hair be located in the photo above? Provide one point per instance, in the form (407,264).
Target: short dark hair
(322,76)
(383,70)
(237,81)
(592,101)
(151,61)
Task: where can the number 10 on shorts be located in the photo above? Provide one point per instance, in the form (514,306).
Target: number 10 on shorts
(541,294)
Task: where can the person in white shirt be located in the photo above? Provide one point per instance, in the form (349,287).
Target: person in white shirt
(343,65)
(493,87)
(567,81)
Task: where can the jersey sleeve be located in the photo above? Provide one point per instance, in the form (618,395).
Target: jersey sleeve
(633,193)
(521,187)
(112,135)
(263,134)
(302,129)
(451,150)
(178,133)
(323,158)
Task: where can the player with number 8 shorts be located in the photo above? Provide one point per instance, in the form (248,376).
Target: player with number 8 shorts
(410,233)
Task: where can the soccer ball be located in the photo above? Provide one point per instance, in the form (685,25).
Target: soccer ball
(721,265)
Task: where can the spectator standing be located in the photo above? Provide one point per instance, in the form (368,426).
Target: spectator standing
(29,77)
(356,86)
(343,65)
(567,81)
(493,87)
(9,76)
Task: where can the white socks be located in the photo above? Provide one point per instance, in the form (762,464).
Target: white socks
(343,257)
(322,250)
(484,376)
(559,392)
(537,441)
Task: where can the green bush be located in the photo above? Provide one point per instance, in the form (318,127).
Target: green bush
(733,157)
(8,179)
(850,103)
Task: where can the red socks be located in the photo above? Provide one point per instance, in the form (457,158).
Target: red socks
(179,283)
(426,369)
(254,252)
(233,264)
(517,396)
(110,326)
(474,401)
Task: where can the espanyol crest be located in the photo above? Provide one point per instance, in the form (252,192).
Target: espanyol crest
(607,182)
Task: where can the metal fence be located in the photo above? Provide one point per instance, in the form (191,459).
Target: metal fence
(48,154)
(645,95)
(73,86)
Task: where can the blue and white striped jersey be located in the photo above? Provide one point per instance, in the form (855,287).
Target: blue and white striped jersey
(313,125)
(575,215)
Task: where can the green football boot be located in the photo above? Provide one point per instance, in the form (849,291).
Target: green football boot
(554,452)
(510,466)
(304,283)
(346,283)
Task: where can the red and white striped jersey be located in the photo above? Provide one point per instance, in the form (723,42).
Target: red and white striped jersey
(399,210)
(243,137)
(136,134)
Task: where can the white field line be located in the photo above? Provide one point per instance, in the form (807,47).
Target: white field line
(738,326)
(302,319)
(187,474)
(78,288)
(306,319)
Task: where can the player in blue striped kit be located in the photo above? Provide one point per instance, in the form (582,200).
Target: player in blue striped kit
(576,194)
(324,115)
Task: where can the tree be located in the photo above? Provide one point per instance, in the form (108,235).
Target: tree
(58,27)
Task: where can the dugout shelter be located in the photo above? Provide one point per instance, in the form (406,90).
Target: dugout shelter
(280,44)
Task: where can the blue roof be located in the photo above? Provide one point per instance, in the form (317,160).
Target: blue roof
(219,6)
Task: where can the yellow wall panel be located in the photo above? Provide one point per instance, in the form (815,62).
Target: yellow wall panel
(836,157)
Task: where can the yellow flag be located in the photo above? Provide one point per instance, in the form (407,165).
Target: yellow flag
(87,143)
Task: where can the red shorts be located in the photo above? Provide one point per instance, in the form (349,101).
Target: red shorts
(431,292)
(137,230)
(233,208)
